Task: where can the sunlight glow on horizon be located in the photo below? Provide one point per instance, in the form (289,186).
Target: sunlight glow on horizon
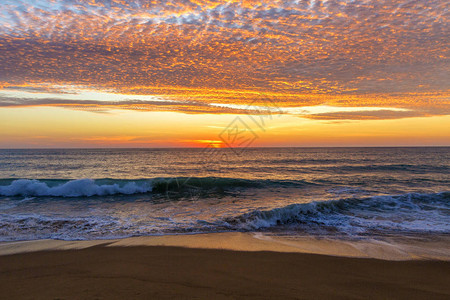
(124,128)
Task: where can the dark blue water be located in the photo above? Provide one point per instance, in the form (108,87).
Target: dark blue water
(110,193)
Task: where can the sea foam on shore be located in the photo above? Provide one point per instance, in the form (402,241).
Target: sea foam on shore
(394,250)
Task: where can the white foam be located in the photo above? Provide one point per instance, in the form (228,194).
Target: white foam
(73,188)
(409,212)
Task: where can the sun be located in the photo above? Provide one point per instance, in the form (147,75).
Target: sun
(208,143)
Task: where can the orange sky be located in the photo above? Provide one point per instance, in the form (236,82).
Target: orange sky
(187,73)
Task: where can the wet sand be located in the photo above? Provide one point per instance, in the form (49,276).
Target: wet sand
(124,270)
(162,272)
(436,248)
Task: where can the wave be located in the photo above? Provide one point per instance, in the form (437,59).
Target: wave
(405,214)
(412,212)
(72,188)
(219,184)
(177,186)
(391,167)
(32,226)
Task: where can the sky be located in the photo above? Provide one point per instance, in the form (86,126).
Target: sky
(195,73)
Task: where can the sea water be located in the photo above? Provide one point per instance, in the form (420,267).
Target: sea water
(344,193)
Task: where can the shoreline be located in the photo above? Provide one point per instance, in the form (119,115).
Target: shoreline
(410,249)
(218,266)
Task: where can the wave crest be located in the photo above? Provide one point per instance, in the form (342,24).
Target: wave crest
(177,186)
(409,212)
(72,188)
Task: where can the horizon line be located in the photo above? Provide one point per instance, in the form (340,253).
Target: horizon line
(259,147)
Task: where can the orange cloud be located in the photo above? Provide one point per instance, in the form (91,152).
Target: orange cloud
(301,47)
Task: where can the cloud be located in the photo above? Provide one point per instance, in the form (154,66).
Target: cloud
(318,112)
(104,106)
(190,55)
(333,47)
(373,115)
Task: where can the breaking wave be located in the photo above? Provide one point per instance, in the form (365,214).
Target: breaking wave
(412,212)
(104,187)
(72,188)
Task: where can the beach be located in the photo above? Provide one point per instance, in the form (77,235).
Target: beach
(172,272)
(204,268)
(284,223)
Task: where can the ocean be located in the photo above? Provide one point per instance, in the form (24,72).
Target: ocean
(344,193)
